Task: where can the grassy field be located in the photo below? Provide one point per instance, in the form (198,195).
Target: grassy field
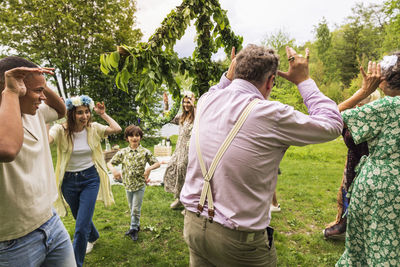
(306,191)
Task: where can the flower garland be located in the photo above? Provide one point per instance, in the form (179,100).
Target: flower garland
(388,61)
(77,101)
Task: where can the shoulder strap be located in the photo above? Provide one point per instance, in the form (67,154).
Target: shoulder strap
(207,175)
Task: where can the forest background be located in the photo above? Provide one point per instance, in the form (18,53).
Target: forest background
(71,36)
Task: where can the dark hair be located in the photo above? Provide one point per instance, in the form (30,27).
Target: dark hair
(12,62)
(71,123)
(186,115)
(392,74)
(133,130)
(254,62)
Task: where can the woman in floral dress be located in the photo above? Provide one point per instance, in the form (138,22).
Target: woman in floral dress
(373,232)
(176,170)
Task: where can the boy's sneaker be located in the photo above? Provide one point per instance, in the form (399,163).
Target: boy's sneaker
(133,234)
(89,247)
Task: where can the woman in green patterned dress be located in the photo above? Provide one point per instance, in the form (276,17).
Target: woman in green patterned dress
(373,228)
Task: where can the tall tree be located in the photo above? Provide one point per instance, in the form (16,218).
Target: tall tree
(392,36)
(69,35)
(359,40)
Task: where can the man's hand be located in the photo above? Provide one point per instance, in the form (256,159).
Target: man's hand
(298,67)
(14,78)
(231,71)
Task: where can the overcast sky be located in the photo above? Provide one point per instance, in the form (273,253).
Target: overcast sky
(254,19)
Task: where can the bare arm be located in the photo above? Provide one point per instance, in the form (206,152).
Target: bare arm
(54,101)
(114,171)
(371,81)
(149,169)
(11,130)
(113,126)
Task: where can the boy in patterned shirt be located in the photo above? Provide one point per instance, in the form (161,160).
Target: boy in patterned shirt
(134,175)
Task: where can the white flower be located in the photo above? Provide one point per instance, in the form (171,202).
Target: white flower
(76,101)
(388,61)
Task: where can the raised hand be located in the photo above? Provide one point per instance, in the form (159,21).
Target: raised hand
(372,78)
(100,108)
(298,66)
(165,97)
(231,71)
(14,78)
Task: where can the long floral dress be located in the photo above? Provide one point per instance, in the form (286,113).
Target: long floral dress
(373,227)
(175,173)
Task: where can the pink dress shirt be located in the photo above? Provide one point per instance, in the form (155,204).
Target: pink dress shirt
(245,179)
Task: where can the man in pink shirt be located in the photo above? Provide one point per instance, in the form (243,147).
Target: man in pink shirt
(235,232)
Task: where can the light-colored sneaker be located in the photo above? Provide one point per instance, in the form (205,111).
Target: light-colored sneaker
(183,212)
(275,208)
(89,247)
(176,204)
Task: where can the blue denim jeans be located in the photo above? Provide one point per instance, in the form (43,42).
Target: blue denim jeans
(135,200)
(49,245)
(80,191)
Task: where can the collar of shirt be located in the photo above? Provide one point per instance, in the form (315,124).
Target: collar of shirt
(245,87)
(134,150)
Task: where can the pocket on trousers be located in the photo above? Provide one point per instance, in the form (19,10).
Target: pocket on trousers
(5,245)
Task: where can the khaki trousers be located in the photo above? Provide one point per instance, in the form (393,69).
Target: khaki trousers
(211,244)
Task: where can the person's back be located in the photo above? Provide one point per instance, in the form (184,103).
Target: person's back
(245,177)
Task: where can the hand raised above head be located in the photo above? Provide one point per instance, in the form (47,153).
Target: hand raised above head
(100,108)
(372,78)
(298,66)
(231,71)
(165,97)
(14,78)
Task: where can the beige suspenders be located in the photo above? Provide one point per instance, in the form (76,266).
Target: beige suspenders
(207,175)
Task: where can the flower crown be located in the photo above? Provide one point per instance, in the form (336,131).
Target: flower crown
(388,61)
(188,94)
(77,101)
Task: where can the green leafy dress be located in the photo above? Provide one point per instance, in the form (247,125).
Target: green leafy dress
(175,173)
(373,226)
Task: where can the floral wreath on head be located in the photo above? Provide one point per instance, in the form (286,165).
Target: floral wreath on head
(77,101)
(189,94)
(388,61)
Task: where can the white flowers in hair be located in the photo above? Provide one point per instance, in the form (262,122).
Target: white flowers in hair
(388,61)
(187,94)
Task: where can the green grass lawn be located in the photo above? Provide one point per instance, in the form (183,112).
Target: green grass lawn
(306,190)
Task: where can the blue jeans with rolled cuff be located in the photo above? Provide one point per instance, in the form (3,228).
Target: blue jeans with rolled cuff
(135,200)
(80,190)
(48,245)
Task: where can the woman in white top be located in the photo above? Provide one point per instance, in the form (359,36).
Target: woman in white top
(81,171)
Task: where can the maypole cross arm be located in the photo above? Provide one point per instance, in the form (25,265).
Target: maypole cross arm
(155,63)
